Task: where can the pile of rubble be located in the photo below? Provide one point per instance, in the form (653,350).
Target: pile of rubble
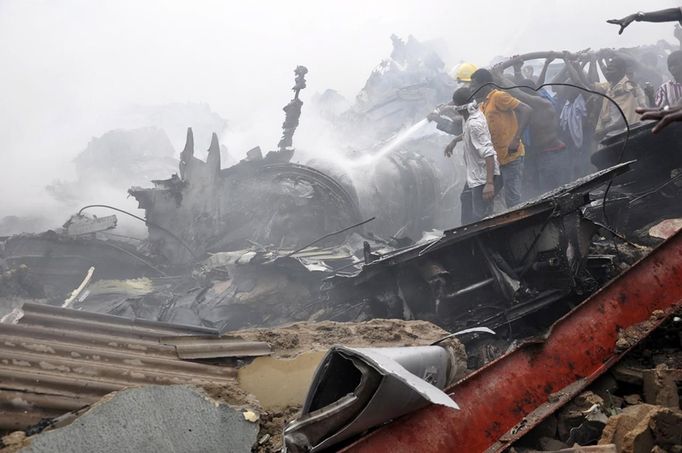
(188,312)
(249,382)
(602,378)
(238,391)
(279,305)
(635,407)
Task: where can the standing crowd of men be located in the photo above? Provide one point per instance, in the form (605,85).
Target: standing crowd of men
(522,142)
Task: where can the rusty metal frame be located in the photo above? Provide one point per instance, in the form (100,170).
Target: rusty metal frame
(505,399)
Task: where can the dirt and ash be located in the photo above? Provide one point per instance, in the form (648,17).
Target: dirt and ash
(295,339)
(301,337)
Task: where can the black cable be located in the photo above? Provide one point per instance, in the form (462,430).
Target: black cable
(535,241)
(587,90)
(146,222)
(329,235)
(127,252)
(655,189)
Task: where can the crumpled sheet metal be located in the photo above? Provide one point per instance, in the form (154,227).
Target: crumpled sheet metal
(79,224)
(540,205)
(313,259)
(391,382)
(133,287)
(227,258)
(508,397)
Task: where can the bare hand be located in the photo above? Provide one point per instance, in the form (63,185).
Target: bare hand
(433,116)
(514,146)
(624,22)
(449,149)
(488,191)
(664,117)
(451,146)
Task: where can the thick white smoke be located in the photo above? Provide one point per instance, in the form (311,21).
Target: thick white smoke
(70,68)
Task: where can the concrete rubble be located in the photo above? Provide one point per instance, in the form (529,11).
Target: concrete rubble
(633,408)
(146,419)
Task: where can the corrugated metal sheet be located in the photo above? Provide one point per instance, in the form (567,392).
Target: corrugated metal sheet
(215,348)
(47,315)
(57,360)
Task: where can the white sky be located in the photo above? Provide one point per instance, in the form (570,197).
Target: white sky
(66,66)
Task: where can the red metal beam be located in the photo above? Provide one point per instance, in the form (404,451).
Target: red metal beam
(506,398)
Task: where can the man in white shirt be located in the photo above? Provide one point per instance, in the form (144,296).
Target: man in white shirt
(483,180)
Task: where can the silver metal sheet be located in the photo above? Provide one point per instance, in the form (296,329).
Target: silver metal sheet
(389,383)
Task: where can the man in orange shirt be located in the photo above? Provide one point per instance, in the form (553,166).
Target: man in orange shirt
(507,118)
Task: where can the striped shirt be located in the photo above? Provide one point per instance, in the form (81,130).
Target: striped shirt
(670,93)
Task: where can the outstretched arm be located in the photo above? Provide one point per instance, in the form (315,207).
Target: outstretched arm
(602,64)
(662,116)
(543,73)
(592,73)
(452,126)
(576,74)
(518,76)
(451,146)
(664,15)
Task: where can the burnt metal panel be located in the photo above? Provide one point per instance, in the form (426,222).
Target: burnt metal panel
(527,262)
(505,399)
(655,154)
(568,195)
(646,194)
(565,198)
(51,316)
(57,360)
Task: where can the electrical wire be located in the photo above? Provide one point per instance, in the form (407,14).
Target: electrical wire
(127,252)
(655,189)
(146,222)
(329,235)
(528,265)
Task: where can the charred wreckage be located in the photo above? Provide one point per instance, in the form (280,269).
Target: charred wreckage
(267,242)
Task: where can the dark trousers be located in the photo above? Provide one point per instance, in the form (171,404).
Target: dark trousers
(474,207)
(555,169)
(530,184)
